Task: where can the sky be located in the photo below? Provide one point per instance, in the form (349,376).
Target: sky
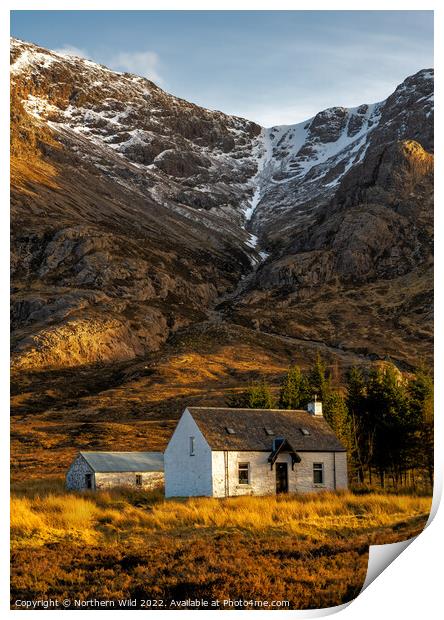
(273,67)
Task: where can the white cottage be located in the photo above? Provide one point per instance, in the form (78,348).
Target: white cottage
(103,470)
(222,452)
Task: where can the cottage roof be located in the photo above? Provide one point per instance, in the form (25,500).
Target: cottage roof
(254,429)
(124,461)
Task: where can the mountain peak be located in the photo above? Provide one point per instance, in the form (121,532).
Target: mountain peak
(148,212)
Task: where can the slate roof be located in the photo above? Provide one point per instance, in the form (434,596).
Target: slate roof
(249,429)
(124,461)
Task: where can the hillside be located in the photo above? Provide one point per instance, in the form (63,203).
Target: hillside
(163,253)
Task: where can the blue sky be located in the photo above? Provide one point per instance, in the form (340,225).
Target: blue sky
(274,67)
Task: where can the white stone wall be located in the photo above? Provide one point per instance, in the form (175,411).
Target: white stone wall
(341,470)
(150,479)
(304,471)
(263,478)
(186,475)
(75,477)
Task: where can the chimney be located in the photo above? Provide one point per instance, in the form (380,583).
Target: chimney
(315,407)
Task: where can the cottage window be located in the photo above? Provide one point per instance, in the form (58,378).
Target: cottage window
(244,473)
(318,473)
(192,452)
(277,442)
(138,480)
(88,481)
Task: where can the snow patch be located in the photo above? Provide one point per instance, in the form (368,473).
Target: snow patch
(29,58)
(263,158)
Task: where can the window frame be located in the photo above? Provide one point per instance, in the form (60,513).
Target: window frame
(139,480)
(192,446)
(244,466)
(319,468)
(277,442)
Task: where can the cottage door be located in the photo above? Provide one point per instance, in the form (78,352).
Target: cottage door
(281,478)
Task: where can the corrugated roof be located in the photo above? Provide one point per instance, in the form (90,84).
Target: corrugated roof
(124,461)
(249,429)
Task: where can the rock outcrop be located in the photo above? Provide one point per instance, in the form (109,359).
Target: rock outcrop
(135,213)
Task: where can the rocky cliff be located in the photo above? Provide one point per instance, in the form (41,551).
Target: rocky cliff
(127,210)
(136,215)
(346,217)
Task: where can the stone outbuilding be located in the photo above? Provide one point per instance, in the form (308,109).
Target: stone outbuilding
(221,452)
(103,470)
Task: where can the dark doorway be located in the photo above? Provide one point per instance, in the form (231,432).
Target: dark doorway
(281,478)
(88,481)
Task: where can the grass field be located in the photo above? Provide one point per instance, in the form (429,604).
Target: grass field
(309,550)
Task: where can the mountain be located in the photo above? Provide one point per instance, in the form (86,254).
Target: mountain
(128,208)
(164,253)
(346,214)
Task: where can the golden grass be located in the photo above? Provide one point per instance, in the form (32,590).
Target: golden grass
(24,521)
(131,544)
(39,518)
(50,518)
(312,515)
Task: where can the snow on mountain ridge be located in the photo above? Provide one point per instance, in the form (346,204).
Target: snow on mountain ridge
(137,215)
(163,140)
(300,147)
(212,166)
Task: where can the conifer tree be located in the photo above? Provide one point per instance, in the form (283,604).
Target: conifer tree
(336,413)
(355,402)
(421,395)
(390,421)
(319,380)
(260,396)
(257,396)
(295,391)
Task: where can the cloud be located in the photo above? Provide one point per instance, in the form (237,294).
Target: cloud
(145,64)
(72,50)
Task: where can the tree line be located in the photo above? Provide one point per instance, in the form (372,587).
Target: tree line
(383,418)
